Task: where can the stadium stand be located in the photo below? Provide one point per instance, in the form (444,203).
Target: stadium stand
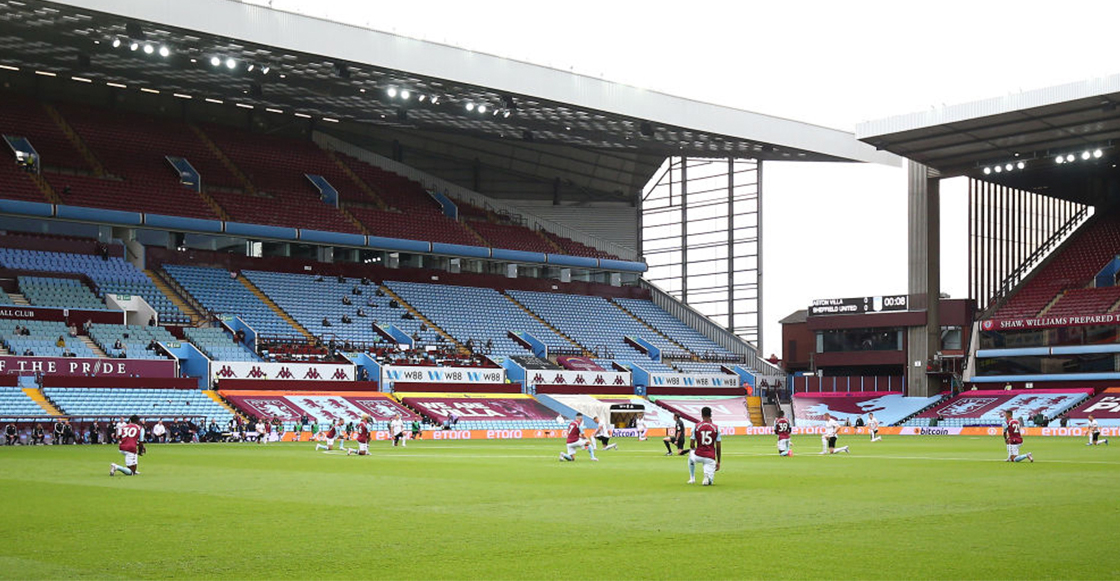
(110,274)
(394,190)
(667,324)
(986,407)
(110,403)
(15,403)
(1085,301)
(1072,267)
(58,292)
(41,339)
(481,411)
(572,313)
(889,407)
(4,298)
(416,223)
(693,367)
(456,309)
(509,236)
(215,290)
(133,339)
(15,184)
(574,248)
(322,407)
(25,117)
(218,344)
(310,299)
(1105,408)
(726,411)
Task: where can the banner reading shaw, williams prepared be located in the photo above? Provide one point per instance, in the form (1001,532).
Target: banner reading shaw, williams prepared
(1049,322)
(283,371)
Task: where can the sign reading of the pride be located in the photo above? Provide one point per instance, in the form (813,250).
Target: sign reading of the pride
(83,366)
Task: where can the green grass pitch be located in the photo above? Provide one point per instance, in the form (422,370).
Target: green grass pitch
(903,508)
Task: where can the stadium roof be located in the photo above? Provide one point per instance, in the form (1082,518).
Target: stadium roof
(334,70)
(1033,127)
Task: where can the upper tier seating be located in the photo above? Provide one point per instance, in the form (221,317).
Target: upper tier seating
(112,275)
(116,402)
(986,407)
(516,237)
(24,117)
(1085,301)
(481,314)
(395,190)
(573,248)
(215,290)
(1074,266)
(43,340)
(59,292)
(15,403)
(4,298)
(133,338)
(290,209)
(135,146)
(595,323)
(889,407)
(309,302)
(670,326)
(414,224)
(218,344)
(15,184)
(165,196)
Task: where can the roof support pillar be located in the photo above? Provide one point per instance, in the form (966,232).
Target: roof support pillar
(923,276)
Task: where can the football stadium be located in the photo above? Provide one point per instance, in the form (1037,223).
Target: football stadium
(288,297)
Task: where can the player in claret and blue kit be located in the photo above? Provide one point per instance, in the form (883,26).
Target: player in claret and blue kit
(706,448)
(576,441)
(782,429)
(364,429)
(1013,436)
(131,438)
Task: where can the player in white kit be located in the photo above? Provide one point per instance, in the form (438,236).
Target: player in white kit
(603,434)
(873,427)
(396,429)
(1095,433)
(831,430)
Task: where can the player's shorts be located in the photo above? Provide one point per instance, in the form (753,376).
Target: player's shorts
(832,441)
(1012,450)
(1096,436)
(783,445)
(363,446)
(875,432)
(604,440)
(577,446)
(330,442)
(130,458)
(709,464)
(398,436)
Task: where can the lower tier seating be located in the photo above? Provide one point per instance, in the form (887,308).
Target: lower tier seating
(113,403)
(41,339)
(135,340)
(218,344)
(889,407)
(15,403)
(986,407)
(220,293)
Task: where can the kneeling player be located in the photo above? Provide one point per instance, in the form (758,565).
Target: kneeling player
(1095,433)
(576,441)
(131,438)
(1013,437)
(396,429)
(873,427)
(705,448)
(332,433)
(363,437)
(783,430)
(831,431)
(676,436)
(603,434)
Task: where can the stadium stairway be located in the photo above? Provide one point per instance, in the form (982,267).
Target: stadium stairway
(46,189)
(37,396)
(754,406)
(467,225)
(213,205)
(76,140)
(420,316)
(279,312)
(218,399)
(654,330)
(93,346)
(177,300)
(586,353)
(18,299)
(362,185)
(552,243)
(357,223)
(226,161)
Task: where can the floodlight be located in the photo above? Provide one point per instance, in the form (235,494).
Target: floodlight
(215,61)
(231,64)
(164,52)
(482,108)
(1070,158)
(1097,153)
(133,46)
(1084,155)
(116,42)
(470,106)
(149,49)
(987,171)
(405,94)
(392,92)
(1020,165)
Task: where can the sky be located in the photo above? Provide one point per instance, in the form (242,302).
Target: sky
(831,230)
